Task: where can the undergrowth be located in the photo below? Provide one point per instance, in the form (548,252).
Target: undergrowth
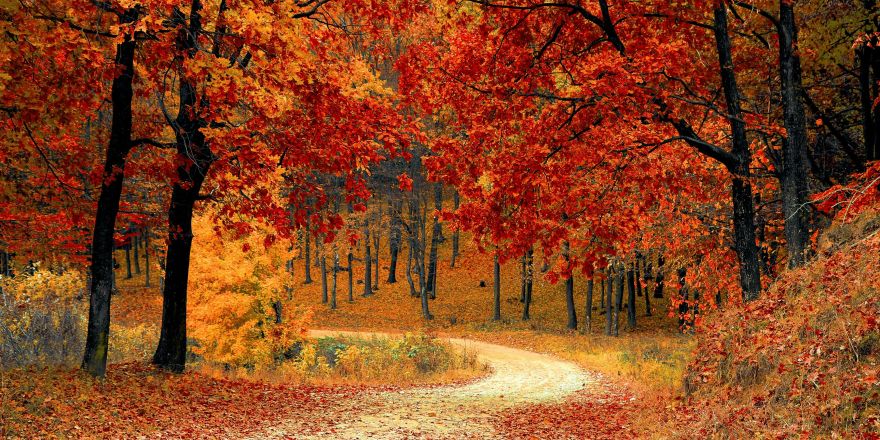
(804,359)
(411,359)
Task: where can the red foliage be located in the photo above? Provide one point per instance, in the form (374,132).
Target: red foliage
(136,399)
(794,363)
(599,411)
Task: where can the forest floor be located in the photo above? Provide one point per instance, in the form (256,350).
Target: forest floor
(546,381)
(471,410)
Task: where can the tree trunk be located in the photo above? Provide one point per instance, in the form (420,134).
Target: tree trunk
(376,240)
(615,322)
(409,278)
(618,299)
(128,273)
(530,274)
(743,209)
(436,239)
(394,239)
(609,301)
(368,262)
(316,258)
(350,277)
(278,308)
(795,190)
(637,275)
(868,58)
(456,200)
(417,248)
(631,298)
(522,279)
(569,290)
(196,157)
(496,310)
(323,265)
(308,253)
(683,306)
(147,257)
(658,280)
(101,268)
(588,311)
(335,276)
(137,254)
(171,351)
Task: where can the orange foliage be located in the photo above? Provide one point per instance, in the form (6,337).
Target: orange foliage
(803,359)
(136,400)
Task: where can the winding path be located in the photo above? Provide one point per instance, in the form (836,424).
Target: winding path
(463,411)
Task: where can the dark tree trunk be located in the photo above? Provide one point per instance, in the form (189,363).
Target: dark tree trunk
(522,279)
(128,274)
(147,257)
(637,274)
(323,265)
(171,351)
(350,277)
(875,87)
(868,58)
(278,308)
(456,200)
(569,290)
(376,240)
(530,274)
(137,254)
(394,240)
(335,276)
(409,278)
(316,258)
(368,262)
(642,276)
(307,236)
(743,209)
(795,190)
(496,309)
(618,299)
(615,322)
(196,160)
(683,306)
(609,300)
(436,239)
(631,298)
(101,268)
(588,311)
(417,239)
(658,280)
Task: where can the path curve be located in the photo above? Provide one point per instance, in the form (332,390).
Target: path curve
(457,411)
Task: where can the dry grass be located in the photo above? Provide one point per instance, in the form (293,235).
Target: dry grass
(651,357)
(410,359)
(803,360)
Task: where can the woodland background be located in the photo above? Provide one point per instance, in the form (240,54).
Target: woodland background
(681,195)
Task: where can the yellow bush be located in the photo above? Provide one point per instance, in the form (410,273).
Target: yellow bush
(234,285)
(41,322)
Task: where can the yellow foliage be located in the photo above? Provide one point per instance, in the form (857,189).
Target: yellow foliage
(233,285)
(40,322)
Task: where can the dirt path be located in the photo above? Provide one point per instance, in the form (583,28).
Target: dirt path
(465,411)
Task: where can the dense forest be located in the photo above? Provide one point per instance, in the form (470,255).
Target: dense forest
(634,219)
